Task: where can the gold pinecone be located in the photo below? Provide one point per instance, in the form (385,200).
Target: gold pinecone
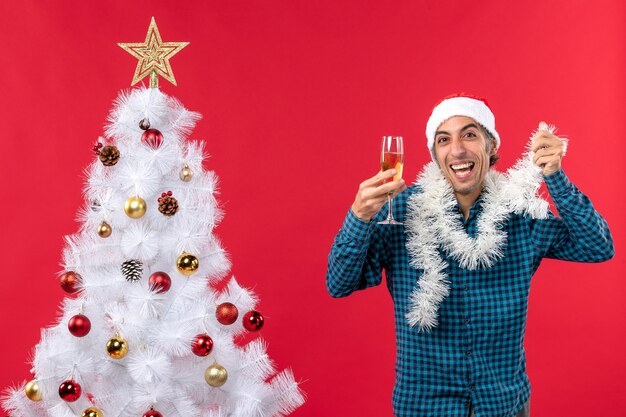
(109,155)
(168,205)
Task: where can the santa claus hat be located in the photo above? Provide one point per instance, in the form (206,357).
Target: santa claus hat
(461,105)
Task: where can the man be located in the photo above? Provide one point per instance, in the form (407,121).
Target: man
(459,269)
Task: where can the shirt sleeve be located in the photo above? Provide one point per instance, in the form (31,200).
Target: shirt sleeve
(357,257)
(580,234)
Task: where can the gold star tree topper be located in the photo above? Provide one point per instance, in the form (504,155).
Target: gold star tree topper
(154,56)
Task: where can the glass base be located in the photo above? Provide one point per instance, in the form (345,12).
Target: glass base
(390,221)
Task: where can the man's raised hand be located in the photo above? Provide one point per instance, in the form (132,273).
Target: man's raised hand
(373,194)
(549,150)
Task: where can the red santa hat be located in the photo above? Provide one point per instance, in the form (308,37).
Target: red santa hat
(461,105)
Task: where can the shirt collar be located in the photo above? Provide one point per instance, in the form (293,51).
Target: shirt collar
(474,209)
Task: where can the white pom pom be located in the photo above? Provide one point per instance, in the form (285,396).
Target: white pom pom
(163,159)
(140,242)
(137,178)
(147,365)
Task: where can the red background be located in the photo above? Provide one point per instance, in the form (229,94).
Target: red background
(295,97)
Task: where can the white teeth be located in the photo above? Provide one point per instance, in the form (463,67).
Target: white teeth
(462,166)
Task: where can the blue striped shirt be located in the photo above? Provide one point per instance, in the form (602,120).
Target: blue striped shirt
(475,356)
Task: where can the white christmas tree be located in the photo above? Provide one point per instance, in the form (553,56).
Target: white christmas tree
(145,332)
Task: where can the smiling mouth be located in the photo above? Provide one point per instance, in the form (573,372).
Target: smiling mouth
(462,170)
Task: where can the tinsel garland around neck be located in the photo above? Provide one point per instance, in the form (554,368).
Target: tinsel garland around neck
(431,223)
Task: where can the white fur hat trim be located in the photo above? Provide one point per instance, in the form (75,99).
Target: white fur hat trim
(460,106)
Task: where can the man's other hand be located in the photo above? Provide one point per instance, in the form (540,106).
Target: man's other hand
(549,150)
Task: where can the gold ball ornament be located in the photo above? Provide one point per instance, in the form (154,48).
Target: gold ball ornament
(92,412)
(187,264)
(186,174)
(104,230)
(135,207)
(33,391)
(216,375)
(117,347)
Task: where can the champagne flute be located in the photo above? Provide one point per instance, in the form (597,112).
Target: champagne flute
(392,157)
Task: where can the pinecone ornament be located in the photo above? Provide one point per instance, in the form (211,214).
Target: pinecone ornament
(132,270)
(144,124)
(109,155)
(168,205)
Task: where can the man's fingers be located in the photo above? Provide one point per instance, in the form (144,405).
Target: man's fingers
(541,141)
(546,142)
(378,201)
(383,175)
(547,149)
(376,179)
(375,203)
(398,191)
(542,161)
(553,151)
(389,187)
(381,200)
(383,190)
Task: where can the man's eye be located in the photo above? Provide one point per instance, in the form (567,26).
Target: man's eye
(471,134)
(442,139)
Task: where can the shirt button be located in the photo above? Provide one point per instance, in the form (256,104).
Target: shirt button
(468,353)
(466,404)
(466,320)
(466,288)
(471,387)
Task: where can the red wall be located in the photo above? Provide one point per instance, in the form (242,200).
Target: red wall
(295,97)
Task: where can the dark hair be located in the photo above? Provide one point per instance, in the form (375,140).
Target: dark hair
(490,140)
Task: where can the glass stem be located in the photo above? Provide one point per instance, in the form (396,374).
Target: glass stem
(390,207)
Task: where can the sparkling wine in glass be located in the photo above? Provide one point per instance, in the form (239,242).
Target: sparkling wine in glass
(392,157)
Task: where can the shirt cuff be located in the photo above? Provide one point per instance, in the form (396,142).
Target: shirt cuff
(356,228)
(558,183)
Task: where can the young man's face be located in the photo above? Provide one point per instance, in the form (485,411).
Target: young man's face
(461,150)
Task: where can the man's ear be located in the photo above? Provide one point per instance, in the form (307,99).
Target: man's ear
(494,147)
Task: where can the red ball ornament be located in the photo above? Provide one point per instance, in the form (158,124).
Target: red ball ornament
(227,313)
(152,138)
(70,281)
(152,413)
(69,390)
(253,321)
(160,282)
(202,344)
(79,325)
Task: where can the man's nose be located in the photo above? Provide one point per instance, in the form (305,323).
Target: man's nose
(458,147)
